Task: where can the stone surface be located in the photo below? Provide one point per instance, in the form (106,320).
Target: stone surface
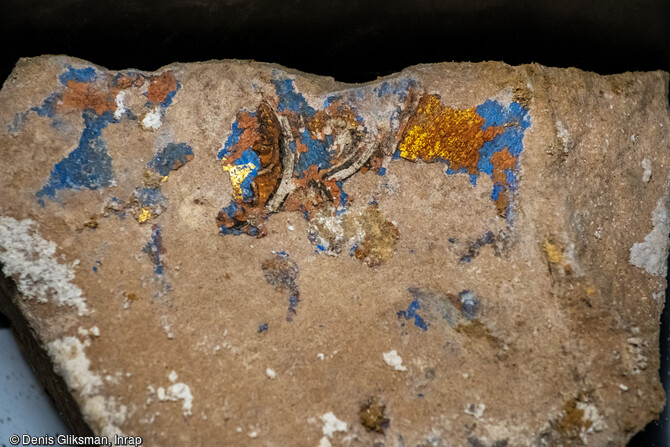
(235,253)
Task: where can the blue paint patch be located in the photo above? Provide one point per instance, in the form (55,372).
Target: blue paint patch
(170,96)
(381,171)
(516,120)
(251,159)
(383,90)
(293,301)
(88,166)
(171,157)
(290,100)
(318,154)
(497,189)
(331,100)
(262,328)
(48,107)
(411,313)
(496,114)
(231,141)
(399,88)
(283,254)
(78,75)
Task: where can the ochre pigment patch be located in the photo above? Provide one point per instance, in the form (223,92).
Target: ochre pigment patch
(380,236)
(436,132)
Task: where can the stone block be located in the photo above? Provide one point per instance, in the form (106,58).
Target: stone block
(236,253)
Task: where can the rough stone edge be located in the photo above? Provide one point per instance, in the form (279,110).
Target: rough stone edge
(38,359)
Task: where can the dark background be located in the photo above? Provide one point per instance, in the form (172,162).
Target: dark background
(352,41)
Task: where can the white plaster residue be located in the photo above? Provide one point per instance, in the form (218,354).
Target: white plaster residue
(120,108)
(104,414)
(591,415)
(70,361)
(334,230)
(176,391)
(92,332)
(32,262)
(324,442)
(152,120)
(564,136)
(651,254)
(271,373)
(646,175)
(332,424)
(393,359)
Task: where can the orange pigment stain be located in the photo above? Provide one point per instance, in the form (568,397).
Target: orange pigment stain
(160,87)
(84,95)
(502,161)
(249,137)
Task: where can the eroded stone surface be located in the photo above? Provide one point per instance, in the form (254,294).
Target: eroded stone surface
(236,253)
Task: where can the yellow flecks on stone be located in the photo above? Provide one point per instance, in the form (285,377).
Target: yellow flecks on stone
(439,132)
(238,173)
(144,215)
(164,179)
(590,291)
(554,254)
